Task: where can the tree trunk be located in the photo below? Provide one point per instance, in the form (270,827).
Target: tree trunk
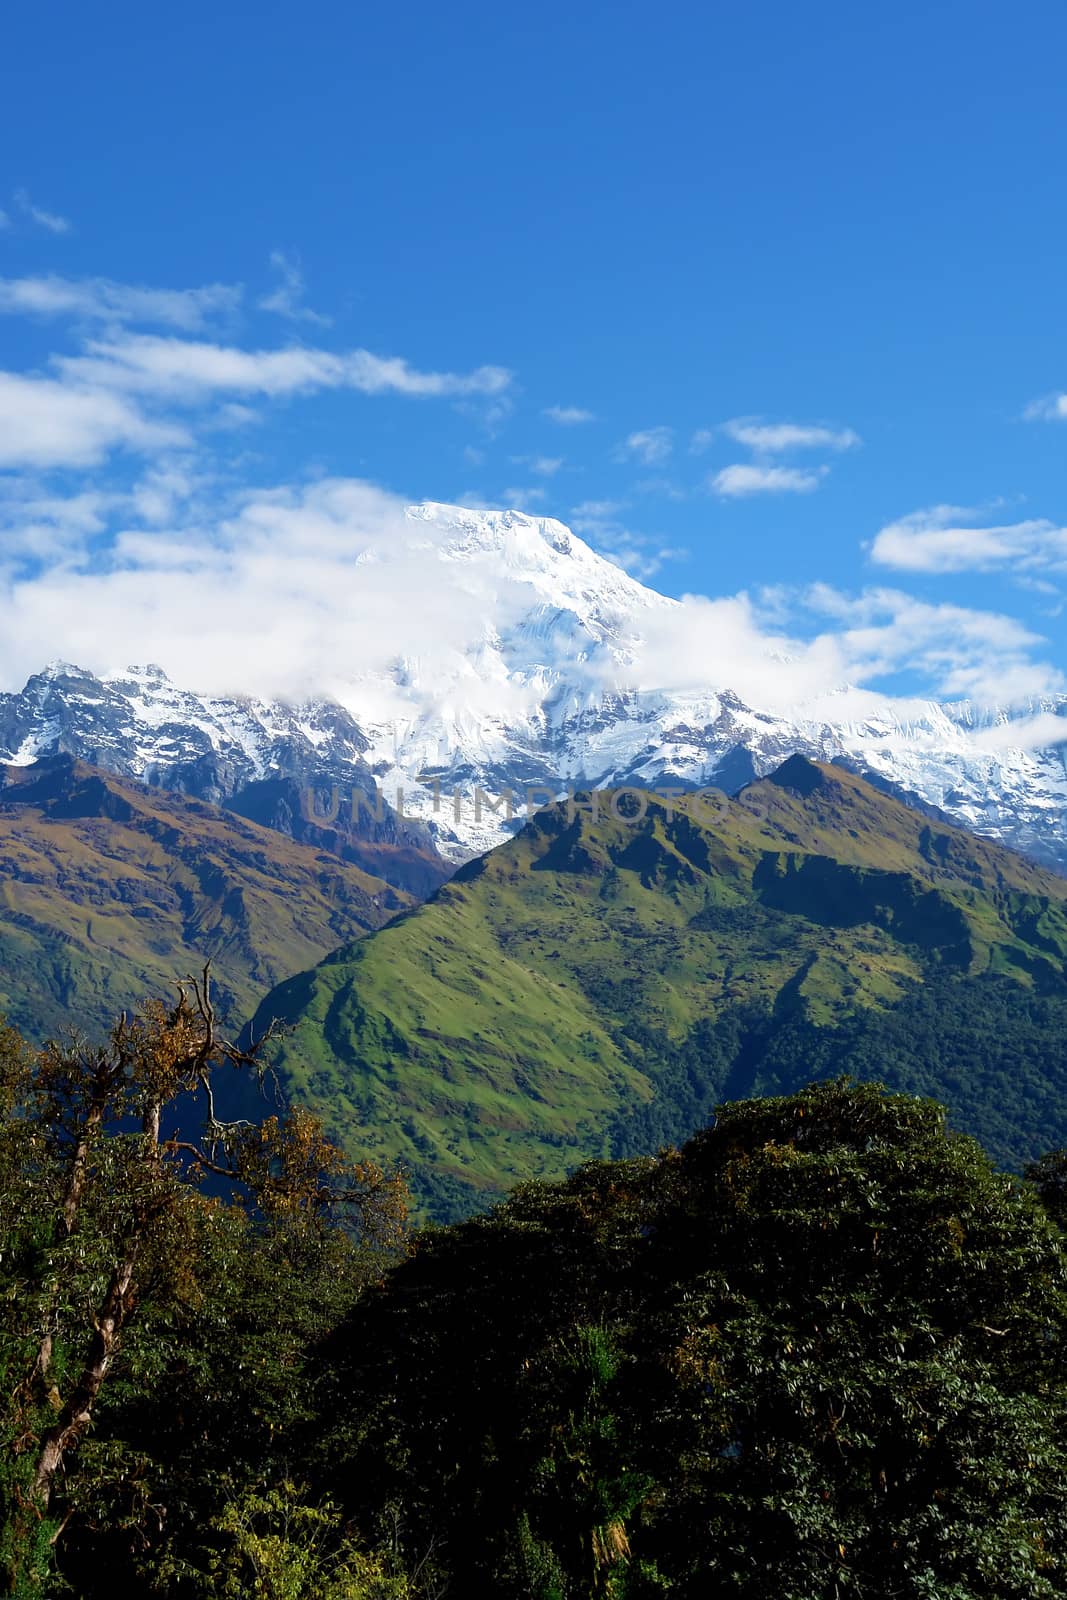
(77,1412)
(79,1168)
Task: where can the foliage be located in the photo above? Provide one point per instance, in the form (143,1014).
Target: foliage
(1049,1179)
(993,1049)
(121,1281)
(274,1546)
(818,1353)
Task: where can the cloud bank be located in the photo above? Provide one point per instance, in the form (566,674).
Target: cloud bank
(125,389)
(755,646)
(329,588)
(946,539)
(160,551)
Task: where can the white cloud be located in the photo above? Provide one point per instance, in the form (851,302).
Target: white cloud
(1052,408)
(775,438)
(49,220)
(595,509)
(125,389)
(287,299)
(940,539)
(598,522)
(981,655)
(702,440)
(493,413)
(544,466)
(519,499)
(568,416)
(234,415)
(189,370)
(726,642)
(642,558)
(641,555)
(274,592)
(164,491)
(648,445)
(1041,732)
(274,595)
(778,664)
(265,591)
(744,478)
(101,299)
(38,526)
(49,424)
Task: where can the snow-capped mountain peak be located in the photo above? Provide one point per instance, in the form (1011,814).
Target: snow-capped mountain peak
(539,555)
(493,651)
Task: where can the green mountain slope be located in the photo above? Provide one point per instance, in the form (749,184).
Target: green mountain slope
(595,985)
(109,891)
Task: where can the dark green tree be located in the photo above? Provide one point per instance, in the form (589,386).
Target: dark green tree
(1049,1179)
(817,1353)
(858,1330)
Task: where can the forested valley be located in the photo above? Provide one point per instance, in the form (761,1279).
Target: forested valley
(816,1351)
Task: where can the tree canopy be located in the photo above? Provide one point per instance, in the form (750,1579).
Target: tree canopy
(123,1280)
(816,1352)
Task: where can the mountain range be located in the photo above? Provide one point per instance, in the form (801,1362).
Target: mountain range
(594,986)
(519,907)
(529,676)
(598,984)
(110,892)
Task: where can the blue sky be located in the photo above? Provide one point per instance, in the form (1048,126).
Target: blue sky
(757,298)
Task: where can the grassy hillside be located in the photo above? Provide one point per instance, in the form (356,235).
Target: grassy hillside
(595,985)
(109,891)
